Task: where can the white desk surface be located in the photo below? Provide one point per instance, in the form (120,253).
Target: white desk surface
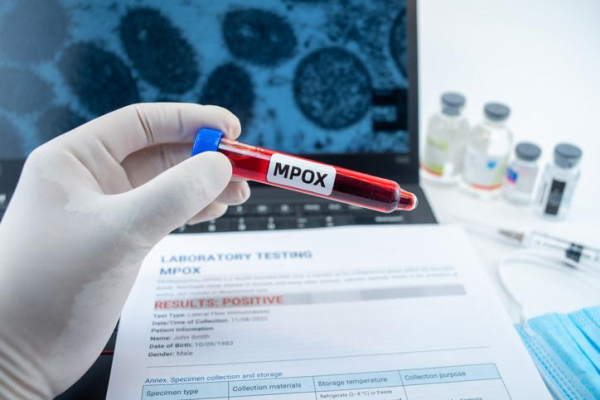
(541,289)
(541,57)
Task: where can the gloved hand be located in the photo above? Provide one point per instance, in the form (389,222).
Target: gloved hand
(88,208)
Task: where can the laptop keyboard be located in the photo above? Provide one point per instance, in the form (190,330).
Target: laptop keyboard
(292,215)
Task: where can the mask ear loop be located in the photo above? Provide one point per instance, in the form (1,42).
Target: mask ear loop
(545,260)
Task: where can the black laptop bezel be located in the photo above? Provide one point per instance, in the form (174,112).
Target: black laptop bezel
(403,167)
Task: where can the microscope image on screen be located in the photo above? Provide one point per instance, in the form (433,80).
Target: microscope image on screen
(303,76)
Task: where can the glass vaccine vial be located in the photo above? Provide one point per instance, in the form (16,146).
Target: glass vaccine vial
(306,176)
(447,134)
(487,152)
(558,182)
(521,174)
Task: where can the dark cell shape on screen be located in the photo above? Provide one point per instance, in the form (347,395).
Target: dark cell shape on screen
(230,86)
(158,50)
(99,78)
(11,141)
(332,87)
(33,31)
(259,37)
(57,120)
(23,91)
(398,44)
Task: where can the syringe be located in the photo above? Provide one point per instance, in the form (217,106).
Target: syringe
(578,253)
(306,176)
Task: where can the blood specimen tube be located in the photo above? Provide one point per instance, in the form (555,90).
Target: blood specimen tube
(306,176)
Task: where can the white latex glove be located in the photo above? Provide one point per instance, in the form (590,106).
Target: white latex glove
(88,208)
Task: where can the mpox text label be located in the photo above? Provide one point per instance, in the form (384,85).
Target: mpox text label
(301,174)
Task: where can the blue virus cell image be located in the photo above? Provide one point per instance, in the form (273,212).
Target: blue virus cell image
(332,88)
(230,86)
(303,76)
(158,51)
(258,36)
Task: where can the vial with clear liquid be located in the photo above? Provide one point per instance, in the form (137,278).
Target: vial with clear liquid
(521,174)
(487,152)
(447,134)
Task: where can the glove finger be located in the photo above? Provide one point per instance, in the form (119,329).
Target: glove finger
(235,193)
(175,196)
(149,162)
(132,128)
(212,211)
(146,164)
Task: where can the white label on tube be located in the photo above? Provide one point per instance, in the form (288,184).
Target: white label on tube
(301,174)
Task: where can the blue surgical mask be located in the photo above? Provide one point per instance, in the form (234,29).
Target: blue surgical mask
(566,350)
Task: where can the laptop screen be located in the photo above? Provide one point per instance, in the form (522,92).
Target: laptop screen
(303,76)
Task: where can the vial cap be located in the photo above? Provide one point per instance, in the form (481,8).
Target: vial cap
(496,111)
(452,103)
(528,151)
(206,140)
(567,155)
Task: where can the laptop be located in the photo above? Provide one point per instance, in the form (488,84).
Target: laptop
(333,81)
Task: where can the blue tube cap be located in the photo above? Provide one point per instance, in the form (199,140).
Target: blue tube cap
(206,140)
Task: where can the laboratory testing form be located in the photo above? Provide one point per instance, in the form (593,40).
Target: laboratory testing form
(380,313)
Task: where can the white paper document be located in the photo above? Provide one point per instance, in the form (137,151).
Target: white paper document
(378,313)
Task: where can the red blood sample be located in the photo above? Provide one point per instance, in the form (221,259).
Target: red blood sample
(254,163)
